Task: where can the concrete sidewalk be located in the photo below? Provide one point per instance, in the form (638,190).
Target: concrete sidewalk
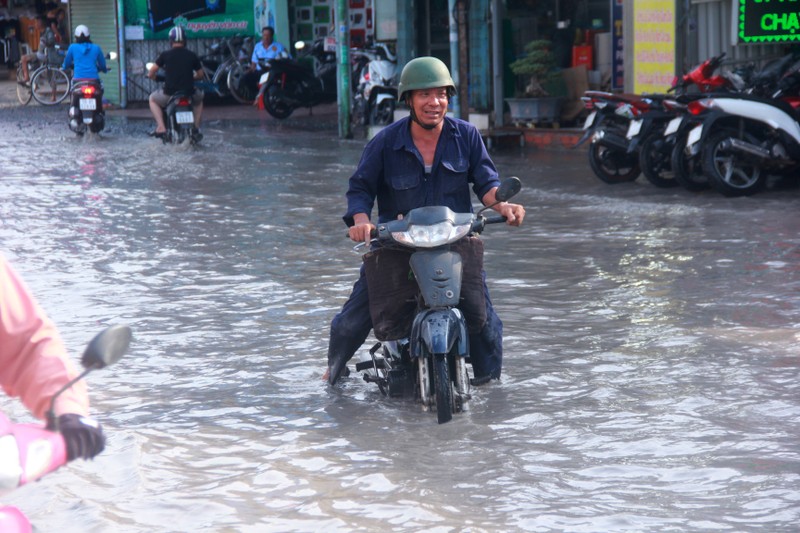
(318,118)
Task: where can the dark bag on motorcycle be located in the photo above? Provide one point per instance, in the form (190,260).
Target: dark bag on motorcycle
(393,290)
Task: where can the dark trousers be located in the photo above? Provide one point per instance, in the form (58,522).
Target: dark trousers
(350,328)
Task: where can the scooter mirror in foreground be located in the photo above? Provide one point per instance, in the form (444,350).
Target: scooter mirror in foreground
(508,189)
(107,347)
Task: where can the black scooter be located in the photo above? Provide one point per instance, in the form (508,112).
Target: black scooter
(86,111)
(430,364)
(288,84)
(178,117)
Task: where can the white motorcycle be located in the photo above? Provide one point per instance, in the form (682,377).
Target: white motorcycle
(744,139)
(376,94)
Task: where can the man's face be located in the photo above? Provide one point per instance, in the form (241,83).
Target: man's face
(266,36)
(430,105)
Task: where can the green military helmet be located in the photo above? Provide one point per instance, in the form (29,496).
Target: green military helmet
(424,73)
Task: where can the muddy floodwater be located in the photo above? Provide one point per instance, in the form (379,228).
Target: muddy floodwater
(651,376)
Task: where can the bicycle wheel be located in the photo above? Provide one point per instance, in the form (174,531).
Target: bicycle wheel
(23,89)
(240,90)
(50,86)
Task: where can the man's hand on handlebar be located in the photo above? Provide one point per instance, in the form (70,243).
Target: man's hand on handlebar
(361,232)
(514,213)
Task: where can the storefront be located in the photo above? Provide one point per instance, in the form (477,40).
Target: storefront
(18,32)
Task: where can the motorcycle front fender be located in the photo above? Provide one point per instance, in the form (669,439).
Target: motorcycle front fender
(437,331)
(384,96)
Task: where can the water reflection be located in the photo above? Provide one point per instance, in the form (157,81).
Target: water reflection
(651,376)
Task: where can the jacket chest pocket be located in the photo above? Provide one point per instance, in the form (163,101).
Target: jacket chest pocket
(406,191)
(455,174)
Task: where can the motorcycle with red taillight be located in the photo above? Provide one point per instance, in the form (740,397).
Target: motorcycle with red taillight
(30,451)
(178,115)
(86,112)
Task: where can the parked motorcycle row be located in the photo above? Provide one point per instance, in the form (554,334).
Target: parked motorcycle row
(310,80)
(730,131)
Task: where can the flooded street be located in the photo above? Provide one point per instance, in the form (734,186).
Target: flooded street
(651,373)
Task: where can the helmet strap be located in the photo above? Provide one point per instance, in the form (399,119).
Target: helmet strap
(420,124)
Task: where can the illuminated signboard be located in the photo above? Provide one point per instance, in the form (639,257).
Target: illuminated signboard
(769,21)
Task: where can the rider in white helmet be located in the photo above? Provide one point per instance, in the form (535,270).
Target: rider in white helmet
(88,61)
(86,56)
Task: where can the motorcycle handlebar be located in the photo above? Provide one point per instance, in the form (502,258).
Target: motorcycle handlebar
(497,219)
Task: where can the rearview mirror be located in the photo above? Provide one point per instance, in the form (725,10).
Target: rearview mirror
(107,347)
(508,189)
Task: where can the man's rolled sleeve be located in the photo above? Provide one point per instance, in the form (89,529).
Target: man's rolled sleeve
(484,175)
(363,185)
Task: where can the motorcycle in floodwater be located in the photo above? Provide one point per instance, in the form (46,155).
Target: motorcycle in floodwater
(86,111)
(30,451)
(288,84)
(178,117)
(430,363)
(86,105)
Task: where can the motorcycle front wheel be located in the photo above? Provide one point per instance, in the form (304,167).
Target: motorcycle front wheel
(383,113)
(444,389)
(241,91)
(613,166)
(654,160)
(274,102)
(688,171)
(727,170)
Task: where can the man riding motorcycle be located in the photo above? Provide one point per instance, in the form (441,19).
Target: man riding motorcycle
(424,159)
(181,67)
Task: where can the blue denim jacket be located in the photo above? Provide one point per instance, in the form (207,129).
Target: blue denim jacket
(391,169)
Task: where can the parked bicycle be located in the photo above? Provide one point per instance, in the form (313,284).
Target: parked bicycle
(50,84)
(23,88)
(225,65)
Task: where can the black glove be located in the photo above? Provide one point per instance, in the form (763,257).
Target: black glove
(83,435)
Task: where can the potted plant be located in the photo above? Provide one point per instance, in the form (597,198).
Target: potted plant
(538,101)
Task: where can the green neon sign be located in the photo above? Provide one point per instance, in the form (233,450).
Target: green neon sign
(769,21)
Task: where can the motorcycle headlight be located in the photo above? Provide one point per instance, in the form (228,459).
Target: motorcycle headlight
(431,236)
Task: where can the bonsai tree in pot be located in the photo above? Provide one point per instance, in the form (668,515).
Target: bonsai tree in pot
(538,101)
(539,66)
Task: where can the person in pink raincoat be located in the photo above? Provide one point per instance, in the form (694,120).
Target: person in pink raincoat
(34,366)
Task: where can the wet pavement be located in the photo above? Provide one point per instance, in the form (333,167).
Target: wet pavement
(651,378)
